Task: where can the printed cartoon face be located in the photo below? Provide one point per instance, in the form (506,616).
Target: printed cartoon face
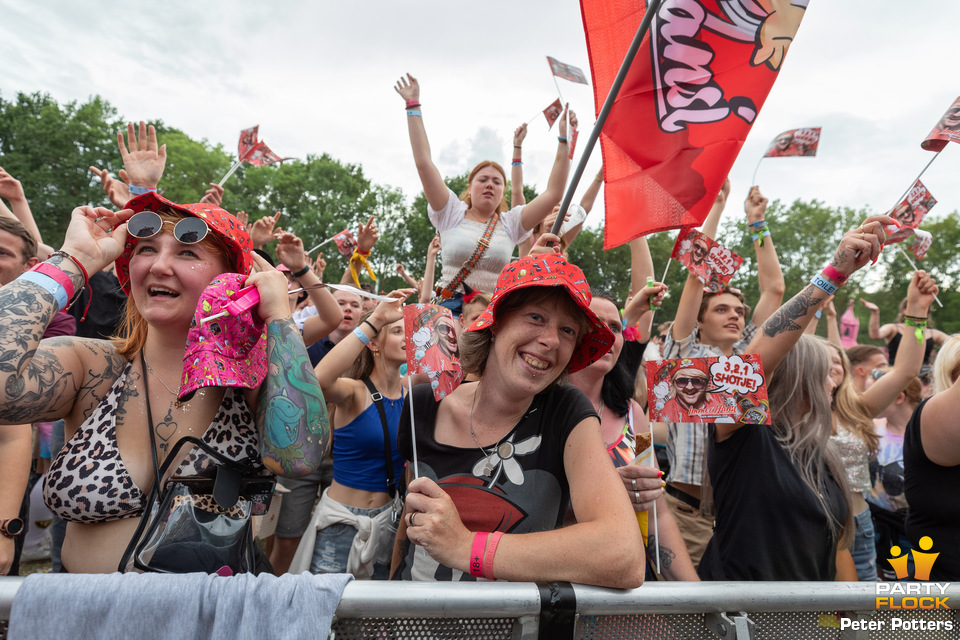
(783,141)
(690,387)
(445,336)
(951,119)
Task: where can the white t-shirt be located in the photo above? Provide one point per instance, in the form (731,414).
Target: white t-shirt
(459,237)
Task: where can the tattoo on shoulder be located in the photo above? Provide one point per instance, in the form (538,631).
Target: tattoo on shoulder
(785,318)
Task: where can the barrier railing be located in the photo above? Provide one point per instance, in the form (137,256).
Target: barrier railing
(668,611)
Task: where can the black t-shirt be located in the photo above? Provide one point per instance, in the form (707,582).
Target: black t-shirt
(931,492)
(520,487)
(106,307)
(769,524)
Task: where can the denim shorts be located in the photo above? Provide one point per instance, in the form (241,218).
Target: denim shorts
(864,547)
(332,548)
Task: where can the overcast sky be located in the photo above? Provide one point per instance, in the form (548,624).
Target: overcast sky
(318,76)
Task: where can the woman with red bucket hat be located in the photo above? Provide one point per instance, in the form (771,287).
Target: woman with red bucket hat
(500,459)
(240,402)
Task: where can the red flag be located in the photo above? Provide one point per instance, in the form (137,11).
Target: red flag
(947,129)
(922,241)
(346,243)
(431,345)
(710,261)
(686,105)
(572,140)
(553,112)
(796,142)
(261,155)
(248,140)
(566,71)
(910,212)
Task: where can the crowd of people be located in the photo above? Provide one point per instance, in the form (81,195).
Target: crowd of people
(527,469)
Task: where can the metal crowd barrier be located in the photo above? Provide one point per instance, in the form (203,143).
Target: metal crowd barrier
(661,611)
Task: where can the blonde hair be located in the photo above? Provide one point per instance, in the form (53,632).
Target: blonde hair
(465,196)
(849,408)
(801,413)
(132,334)
(946,368)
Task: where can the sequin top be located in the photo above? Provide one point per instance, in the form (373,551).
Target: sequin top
(855,457)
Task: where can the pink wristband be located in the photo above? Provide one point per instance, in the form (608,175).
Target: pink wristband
(834,275)
(476,554)
(491,551)
(59,275)
(413,103)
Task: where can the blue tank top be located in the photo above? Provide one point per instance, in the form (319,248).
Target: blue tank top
(358,457)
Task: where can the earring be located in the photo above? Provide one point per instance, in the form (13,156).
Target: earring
(376,353)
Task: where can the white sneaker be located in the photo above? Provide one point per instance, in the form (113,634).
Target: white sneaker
(40,551)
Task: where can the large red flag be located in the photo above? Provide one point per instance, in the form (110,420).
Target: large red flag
(946,129)
(686,105)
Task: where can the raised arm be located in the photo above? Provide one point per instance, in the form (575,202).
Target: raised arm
(12,191)
(367,236)
(877,332)
(782,329)
(290,253)
(833,328)
(291,414)
(434,188)
(45,381)
(769,274)
(592,192)
(689,305)
(143,160)
(541,206)
(429,272)
(881,393)
(516,167)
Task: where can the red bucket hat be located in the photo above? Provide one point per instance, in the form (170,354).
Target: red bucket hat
(221,222)
(230,351)
(552,270)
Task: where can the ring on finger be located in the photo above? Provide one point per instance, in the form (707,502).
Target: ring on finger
(636,497)
(412,523)
(633,483)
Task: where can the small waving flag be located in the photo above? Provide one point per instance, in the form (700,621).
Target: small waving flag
(946,130)
(431,345)
(796,142)
(552,112)
(252,151)
(566,71)
(710,261)
(910,212)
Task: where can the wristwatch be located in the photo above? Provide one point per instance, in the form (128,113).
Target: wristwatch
(11,527)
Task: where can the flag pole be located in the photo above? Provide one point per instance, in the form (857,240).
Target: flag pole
(559,94)
(913,264)
(231,172)
(663,279)
(652,7)
(753,180)
(904,194)
(320,245)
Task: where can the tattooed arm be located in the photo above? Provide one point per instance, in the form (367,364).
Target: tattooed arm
(675,563)
(291,414)
(782,329)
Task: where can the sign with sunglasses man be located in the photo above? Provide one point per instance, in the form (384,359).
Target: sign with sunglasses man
(708,390)
(431,344)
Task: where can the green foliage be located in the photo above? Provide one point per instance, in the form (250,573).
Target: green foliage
(49,147)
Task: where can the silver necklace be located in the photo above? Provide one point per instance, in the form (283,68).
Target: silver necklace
(488,468)
(169,390)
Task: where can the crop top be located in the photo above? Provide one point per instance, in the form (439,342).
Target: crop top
(358,456)
(88,481)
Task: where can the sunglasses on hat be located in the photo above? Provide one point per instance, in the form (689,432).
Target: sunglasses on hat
(147,224)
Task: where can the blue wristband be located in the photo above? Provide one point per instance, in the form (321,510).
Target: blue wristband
(516,163)
(139,191)
(823,284)
(818,314)
(562,139)
(361,335)
(415,112)
(49,284)
(765,234)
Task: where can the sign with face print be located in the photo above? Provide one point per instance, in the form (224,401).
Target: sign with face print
(710,261)
(725,389)
(796,142)
(431,345)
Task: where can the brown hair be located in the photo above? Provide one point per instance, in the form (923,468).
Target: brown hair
(862,352)
(133,328)
(475,345)
(465,196)
(15,228)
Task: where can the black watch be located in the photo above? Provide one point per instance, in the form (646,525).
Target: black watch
(12,527)
(301,273)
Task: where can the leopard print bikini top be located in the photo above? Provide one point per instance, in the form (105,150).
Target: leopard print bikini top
(88,481)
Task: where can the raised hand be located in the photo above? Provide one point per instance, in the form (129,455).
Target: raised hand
(214,195)
(755,205)
(860,245)
(390,311)
(143,161)
(290,251)
(116,190)
(367,235)
(434,247)
(319,265)
(408,88)
(262,231)
(922,290)
(95,236)
(243,218)
(519,134)
(869,305)
(640,303)
(10,187)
